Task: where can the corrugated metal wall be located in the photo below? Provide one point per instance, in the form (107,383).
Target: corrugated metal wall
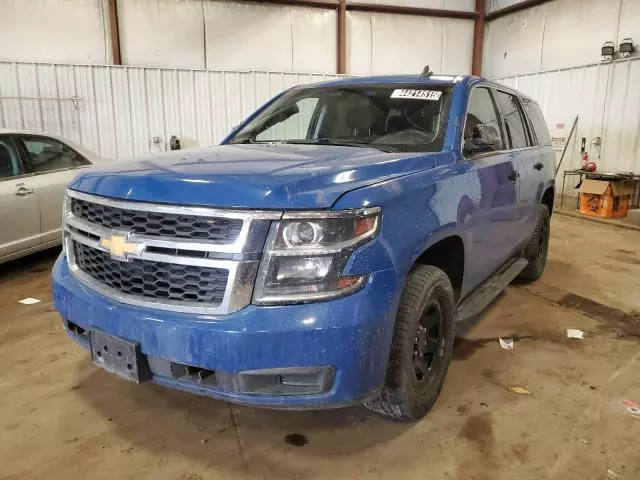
(557,34)
(237,35)
(117,111)
(607,99)
(380,43)
(224,35)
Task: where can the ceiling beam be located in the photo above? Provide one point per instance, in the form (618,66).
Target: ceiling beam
(424,12)
(328,4)
(370,7)
(518,7)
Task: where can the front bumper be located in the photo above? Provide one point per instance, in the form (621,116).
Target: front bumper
(351,336)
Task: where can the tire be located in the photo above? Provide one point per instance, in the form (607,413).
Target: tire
(421,346)
(536,251)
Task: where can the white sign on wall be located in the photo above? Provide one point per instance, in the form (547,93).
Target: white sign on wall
(558,142)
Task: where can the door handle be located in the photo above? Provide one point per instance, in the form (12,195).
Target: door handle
(539,166)
(513,176)
(22,191)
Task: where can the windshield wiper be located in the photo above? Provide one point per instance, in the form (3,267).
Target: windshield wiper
(252,141)
(341,143)
(237,140)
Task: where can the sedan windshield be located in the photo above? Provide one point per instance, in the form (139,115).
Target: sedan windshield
(395,119)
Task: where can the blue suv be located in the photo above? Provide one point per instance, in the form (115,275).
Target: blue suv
(322,255)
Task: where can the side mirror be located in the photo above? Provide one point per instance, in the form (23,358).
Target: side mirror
(276,117)
(485,139)
(280,116)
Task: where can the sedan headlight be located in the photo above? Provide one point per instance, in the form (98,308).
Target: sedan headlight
(66,209)
(306,253)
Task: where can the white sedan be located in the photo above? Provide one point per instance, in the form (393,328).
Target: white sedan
(35,169)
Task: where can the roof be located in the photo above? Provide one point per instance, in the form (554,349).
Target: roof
(15,131)
(422,80)
(397,79)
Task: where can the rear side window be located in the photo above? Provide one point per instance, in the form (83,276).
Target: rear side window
(514,124)
(537,120)
(47,154)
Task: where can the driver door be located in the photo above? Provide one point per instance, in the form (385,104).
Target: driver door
(491,214)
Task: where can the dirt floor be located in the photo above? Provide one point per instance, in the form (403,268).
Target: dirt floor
(62,418)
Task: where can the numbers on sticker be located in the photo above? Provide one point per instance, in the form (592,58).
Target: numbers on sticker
(432,95)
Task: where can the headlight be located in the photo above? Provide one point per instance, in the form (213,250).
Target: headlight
(306,253)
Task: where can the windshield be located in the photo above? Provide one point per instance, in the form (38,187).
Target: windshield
(394,118)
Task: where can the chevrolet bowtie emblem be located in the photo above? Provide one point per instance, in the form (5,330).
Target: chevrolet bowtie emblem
(120,248)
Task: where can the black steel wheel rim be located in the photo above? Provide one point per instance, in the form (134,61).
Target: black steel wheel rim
(543,240)
(428,346)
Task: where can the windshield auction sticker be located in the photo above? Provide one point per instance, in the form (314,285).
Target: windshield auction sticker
(433,95)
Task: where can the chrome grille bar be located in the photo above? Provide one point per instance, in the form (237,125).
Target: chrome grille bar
(242,268)
(242,244)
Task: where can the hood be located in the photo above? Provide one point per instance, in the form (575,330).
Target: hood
(265,176)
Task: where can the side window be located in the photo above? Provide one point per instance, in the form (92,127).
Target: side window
(47,154)
(537,120)
(10,164)
(514,125)
(482,132)
(295,126)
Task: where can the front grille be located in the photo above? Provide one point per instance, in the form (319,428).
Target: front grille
(151,279)
(214,230)
(187,259)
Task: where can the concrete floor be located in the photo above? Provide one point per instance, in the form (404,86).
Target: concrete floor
(62,418)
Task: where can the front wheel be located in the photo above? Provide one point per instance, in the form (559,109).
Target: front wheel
(421,347)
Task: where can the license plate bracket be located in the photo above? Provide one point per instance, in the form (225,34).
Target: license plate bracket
(119,356)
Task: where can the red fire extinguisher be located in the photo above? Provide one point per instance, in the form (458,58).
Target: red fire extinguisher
(587,166)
